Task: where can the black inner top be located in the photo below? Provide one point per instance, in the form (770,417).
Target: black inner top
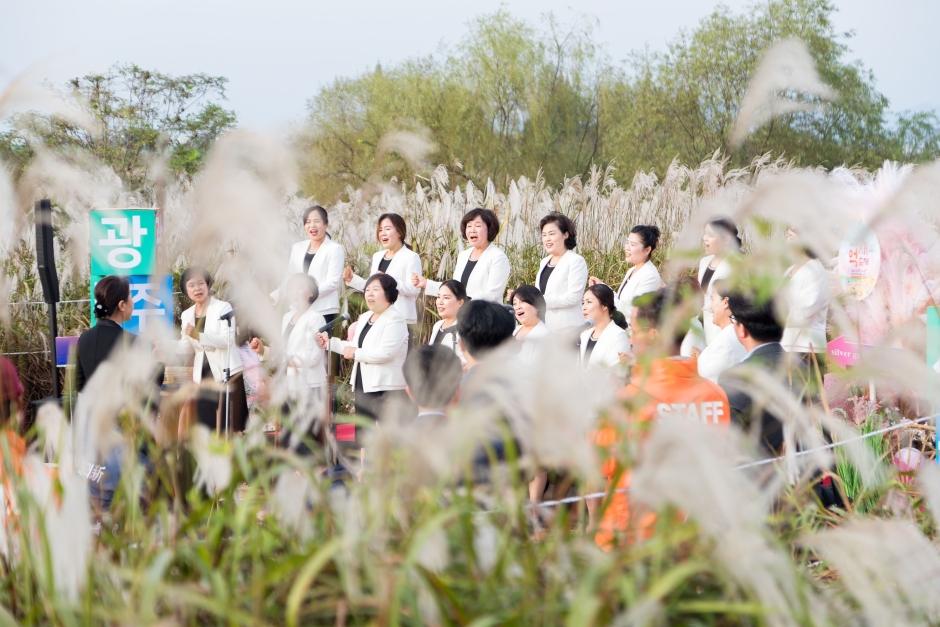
(362,336)
(543,280)
(308,259)
(467,269)
(626,280)
(707,278)
(383,264)
(201,328)
(588,350)
(445,331)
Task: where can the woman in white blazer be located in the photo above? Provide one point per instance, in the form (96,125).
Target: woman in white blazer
(721,243)
(450,298)
(605,345)
(213,342)
(320,257)
(483,268)
(725,350)
(807,293)
(530,309)
(642,277)
(563,275)
(395,259)
(379,349)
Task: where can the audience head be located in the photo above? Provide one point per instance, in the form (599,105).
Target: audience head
(641,242)
(755,322)
(659,312)
(721,313)
(558,233)
(302,290)
(483,326)
(432,375)
(113,299)
(450,298)
(315,221)
(529,304)
(195,283)
(391,230)
(381,292)
(479,227)
(721,236)
(598,305)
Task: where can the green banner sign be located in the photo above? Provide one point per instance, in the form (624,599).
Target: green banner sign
(123,241)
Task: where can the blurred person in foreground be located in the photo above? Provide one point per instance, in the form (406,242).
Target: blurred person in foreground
(807,293)
(432,380)
(664,385)
(11,406)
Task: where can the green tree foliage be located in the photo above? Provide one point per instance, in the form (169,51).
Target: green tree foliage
(511,98)
(137,115)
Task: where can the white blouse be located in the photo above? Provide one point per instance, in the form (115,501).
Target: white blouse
(807,294)
(724,352)
(564,290)
(636,283)
(528,352)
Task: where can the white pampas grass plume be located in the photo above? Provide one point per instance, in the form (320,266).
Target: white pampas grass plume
(213,459)
(413,146)
(57,436)
(485,541)
(293,493)
(787,67)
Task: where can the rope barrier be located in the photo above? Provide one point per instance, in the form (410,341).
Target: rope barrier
(763,462)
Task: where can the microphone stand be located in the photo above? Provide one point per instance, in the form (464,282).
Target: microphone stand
(228,374)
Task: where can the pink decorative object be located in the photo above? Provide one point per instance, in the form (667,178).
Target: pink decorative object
(908,460)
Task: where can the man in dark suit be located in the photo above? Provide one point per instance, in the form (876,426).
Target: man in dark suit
(753,407)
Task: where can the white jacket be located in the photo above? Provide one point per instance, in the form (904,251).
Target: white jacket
(723,271)
(808,294)
(302,347)
(326,268)
(451,341)
(528,352)
(488,279)
(636,283)
(564,290)
(605,355)
(405,263)
(383,351)
(724,351)
(212,343)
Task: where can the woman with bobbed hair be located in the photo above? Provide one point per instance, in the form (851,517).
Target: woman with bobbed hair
(643,277)
(379,349)
(450,298)
(113,307)
(603,344)
(320,257)
(563,274)
(395,259)
(530,308)
(213,341)
(722,243)
(483,268)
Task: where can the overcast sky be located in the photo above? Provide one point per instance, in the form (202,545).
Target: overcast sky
(277,53)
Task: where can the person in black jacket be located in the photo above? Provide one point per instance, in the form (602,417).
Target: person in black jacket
(113,307)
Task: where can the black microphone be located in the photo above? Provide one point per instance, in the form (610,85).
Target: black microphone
(329,325)
(228,315)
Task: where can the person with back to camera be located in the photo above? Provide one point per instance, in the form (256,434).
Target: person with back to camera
(605,345)
(213,342)
(320,257)
(451,296)
(113,307)
(483,269)
(722,245)
(432,380)
(725,350)
(807,293)
(562,275)
(529,306)
(395,259)
(303,358)
(643,277)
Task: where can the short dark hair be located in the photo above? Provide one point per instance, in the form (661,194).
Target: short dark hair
(397,221)
(649,235)
(433,375)
(456,288)
(308,281)
(489,219)
(727,226)
(191,273)
(484,325)
(389,286)
(564,224)
(653,309)
(323,214)
(759,318)
(110,292)
(531,295)
(605,296)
